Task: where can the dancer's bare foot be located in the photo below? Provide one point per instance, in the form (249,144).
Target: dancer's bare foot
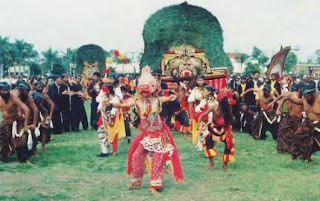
(210,165)
(225,166)
(153,191)
(44,149)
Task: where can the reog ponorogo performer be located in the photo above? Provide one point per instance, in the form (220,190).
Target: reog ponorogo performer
(155,138)
(108,123)
(219,129)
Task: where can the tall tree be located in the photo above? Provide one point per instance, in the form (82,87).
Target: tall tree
(24,53)
(250,68)
(6,50)
(241,57)
(291,60)
(52,62)
(259,55)
(69,57)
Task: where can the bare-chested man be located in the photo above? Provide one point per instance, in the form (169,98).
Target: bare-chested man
(45,126)
(306,140)
(291,122)
(181,116)
(23,92)
(266,119)
(12,109)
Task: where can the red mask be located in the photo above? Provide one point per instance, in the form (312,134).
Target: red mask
(144,91)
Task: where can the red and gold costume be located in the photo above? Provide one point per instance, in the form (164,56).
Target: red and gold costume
(154,140)
(218,130)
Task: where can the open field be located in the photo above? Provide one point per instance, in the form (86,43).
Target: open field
(71,171)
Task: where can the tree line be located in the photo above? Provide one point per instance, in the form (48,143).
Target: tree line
(22,53)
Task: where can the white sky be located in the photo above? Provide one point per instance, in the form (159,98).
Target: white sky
(118,24)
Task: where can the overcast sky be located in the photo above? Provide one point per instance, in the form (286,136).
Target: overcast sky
(118,24)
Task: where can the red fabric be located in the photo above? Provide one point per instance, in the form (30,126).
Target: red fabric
(233,102)
(100,122)
(229,145)
(220,121)
(169,52)
(115,145)
(198,51)
(105,89)
(177,125)
(265,107)
(196,115)
(177,170)
(184,105)
(221,95)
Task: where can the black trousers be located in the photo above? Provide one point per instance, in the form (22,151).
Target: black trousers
(23,153)
(273,128)
(78,114)
(66,117)
(182,117)
(127,127)
(94,115)
(56,121)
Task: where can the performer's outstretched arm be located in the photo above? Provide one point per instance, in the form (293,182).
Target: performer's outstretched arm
(168,98)
(278,111)
(210,109)
(247,91)
(295,99)
(129,103)
(279,98)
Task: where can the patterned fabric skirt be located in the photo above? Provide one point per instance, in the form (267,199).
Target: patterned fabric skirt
(5,134)
(256,126)
(306,140)
(8,142)
(19,141)
(288,126)
(263,121)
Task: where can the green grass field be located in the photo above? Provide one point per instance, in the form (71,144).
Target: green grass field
(71,171)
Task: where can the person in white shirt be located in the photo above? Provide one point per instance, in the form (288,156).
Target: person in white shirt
(107,117)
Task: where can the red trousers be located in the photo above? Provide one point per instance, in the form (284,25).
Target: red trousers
(157,166)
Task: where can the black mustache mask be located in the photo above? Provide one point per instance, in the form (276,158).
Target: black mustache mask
(23,97)
(5,97)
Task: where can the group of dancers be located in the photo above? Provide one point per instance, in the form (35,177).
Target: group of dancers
(202,113)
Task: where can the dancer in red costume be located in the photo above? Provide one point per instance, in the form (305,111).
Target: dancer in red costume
(220,129)
(155,138)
